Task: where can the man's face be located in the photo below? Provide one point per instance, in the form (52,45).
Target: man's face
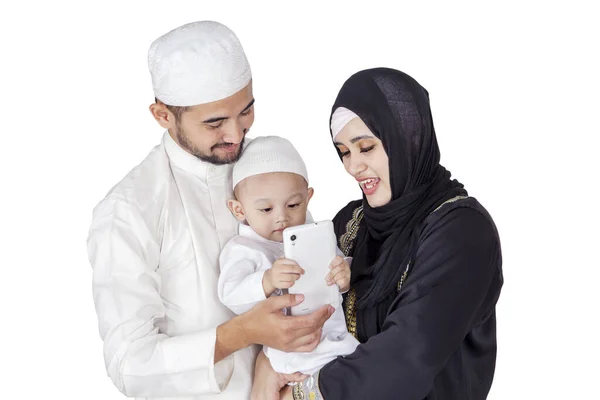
(214,132)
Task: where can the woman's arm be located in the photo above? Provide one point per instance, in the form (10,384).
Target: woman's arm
(453,284)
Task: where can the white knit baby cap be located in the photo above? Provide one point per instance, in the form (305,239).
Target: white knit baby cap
(340,118)
(266,154)
(197,63)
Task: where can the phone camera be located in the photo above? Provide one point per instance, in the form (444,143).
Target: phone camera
(293,237)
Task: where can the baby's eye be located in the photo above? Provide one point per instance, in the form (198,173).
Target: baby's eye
(293,205)
(266,210)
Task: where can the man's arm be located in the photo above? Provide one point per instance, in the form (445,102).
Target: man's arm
(140,359)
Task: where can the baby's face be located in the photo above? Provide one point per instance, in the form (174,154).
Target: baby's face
(272,202)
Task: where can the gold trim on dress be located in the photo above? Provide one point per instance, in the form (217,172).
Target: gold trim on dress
(346,244)
(347,239)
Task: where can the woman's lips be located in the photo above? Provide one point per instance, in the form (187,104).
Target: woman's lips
(369,185)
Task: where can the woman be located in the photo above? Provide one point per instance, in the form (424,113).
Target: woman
(426,273)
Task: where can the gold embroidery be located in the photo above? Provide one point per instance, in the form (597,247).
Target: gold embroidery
(347,239)
(346,243)
(351,312)
(297,393)
(403,278)
(308,387)
(452,200)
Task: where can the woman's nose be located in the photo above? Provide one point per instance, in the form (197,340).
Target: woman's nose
(355,166)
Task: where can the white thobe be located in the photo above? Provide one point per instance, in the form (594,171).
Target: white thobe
(244,260)
(154,246)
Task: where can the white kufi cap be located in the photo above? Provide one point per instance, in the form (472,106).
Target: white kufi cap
(197,63)
(267,154)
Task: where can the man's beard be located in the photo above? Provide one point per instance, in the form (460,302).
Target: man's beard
(210,158)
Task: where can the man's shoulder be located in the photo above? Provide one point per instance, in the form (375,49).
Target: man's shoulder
(144,184)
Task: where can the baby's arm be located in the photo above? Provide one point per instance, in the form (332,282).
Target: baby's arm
(240,282)
(281,275)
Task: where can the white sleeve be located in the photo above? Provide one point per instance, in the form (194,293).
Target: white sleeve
(140,359)
(240,281)
(338,252)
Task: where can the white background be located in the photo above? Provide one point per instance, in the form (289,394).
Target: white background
(514,91)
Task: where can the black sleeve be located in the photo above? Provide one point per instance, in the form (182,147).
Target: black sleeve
(445,295)
(343,216)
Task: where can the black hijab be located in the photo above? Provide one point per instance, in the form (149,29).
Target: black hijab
(396,110)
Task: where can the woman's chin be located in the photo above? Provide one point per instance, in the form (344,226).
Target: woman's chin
(377,201)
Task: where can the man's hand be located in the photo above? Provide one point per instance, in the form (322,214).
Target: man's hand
(282,275)
(267,324)
(339,274)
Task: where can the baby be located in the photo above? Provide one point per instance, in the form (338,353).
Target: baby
(271,193)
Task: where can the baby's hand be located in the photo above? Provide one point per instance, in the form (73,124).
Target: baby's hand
(281,275)
(339,274)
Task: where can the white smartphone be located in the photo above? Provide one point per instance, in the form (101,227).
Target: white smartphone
(313,247)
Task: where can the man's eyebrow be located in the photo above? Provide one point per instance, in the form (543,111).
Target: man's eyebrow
(248,106)
(217,119)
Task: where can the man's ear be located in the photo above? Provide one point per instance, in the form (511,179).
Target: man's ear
(162,115)
(311,191)
(236,209)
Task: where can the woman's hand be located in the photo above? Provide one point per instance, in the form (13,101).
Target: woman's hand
(286,393)
(268,383)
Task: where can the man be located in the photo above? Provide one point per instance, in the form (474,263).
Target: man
(155,239)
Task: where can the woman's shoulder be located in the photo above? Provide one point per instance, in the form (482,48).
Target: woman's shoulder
(351,211)
(465,217)
(458,239)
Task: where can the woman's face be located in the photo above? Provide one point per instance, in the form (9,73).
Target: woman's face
(366,160)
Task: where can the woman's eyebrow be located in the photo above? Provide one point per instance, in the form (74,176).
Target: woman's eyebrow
(355,139)
(361,137)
